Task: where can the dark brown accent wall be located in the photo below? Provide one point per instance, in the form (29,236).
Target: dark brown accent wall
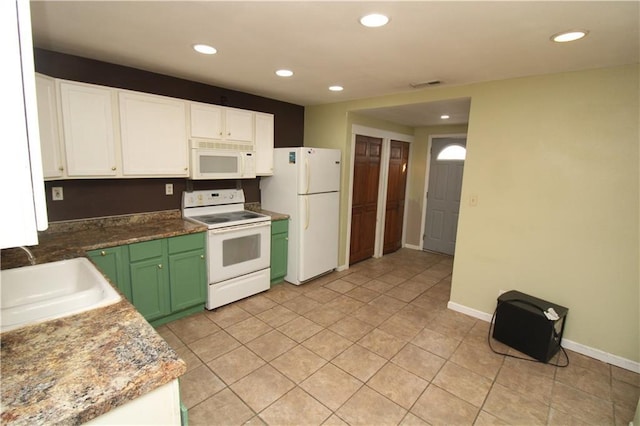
(85,198)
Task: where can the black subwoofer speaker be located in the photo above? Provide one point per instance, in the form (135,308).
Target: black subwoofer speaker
(520,322)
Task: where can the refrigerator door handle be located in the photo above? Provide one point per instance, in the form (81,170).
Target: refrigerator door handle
(308,174)
(307,213)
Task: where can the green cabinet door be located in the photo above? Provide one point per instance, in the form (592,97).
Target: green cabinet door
(187,271)
(113,262)
(279,249)
(149,288)
(149,279)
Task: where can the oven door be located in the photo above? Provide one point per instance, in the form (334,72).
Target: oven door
(238,250)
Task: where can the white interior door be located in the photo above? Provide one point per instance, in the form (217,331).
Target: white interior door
(443,197)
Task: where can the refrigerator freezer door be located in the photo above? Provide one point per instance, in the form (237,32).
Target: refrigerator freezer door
(318,231)
(318,170)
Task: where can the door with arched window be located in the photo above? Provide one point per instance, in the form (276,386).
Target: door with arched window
(443,194)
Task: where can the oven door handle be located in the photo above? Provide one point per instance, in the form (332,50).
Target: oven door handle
(228,229)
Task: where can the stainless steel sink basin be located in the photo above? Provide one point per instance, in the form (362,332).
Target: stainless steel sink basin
(51,290)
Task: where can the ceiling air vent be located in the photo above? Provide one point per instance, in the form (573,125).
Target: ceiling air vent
(425,84)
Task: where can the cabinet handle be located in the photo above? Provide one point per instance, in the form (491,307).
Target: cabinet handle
(103,253)
(113,168)
(229,134)
(61,168)
(202,256)
(186,168)
(160,266)
(286,239)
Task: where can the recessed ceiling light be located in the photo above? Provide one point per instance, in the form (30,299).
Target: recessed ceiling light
(444,117)
(284,73)
(374,20)
(204,49)
(567,36)
(336,88)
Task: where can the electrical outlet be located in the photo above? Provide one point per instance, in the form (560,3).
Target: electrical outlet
(168,189)
(57,194)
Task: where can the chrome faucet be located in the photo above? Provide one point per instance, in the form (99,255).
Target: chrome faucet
(32,258)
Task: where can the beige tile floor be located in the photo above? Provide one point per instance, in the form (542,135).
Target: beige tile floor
(376,345)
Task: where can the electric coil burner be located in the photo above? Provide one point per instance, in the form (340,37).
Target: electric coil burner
(238,244)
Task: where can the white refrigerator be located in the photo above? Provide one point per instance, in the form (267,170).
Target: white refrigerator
(306,186)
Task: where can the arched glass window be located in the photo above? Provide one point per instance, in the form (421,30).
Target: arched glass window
(452,152)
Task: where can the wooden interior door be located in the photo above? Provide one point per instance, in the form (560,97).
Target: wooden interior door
(397,183)
(366,175)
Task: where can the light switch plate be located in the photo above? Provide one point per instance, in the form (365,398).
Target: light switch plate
(168,189)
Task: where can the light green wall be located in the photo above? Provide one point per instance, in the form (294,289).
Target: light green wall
(553,161)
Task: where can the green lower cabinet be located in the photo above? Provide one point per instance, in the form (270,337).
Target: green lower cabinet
(187,271)
(149,279)
(113,262)
(164,279)
(279,250)
(149,288)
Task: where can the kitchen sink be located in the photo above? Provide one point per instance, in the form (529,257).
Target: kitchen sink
(53,290)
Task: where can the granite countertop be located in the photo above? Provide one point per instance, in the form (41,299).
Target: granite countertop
(66,240)
(71,370)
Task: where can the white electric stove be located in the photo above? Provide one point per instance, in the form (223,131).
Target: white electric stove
(238,244)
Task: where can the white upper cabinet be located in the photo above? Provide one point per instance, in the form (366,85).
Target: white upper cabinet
(153,135)
(238,125)
(222,124)
(87,121)
(206,121)
(264,143)
(24,209)
(91,131)
(52,159)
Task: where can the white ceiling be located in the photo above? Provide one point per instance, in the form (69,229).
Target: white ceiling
(323,43)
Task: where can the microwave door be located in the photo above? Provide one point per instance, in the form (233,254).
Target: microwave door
(216,165)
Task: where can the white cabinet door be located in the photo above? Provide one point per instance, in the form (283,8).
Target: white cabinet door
(206,121)
(264,144)
(221,123)
(238,125)
(24,208)
(52,165)
(153,134)
(87,121)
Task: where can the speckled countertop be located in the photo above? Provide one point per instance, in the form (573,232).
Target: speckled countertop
(66,240)
(71,370)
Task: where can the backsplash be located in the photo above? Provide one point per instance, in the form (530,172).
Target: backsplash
(88,198)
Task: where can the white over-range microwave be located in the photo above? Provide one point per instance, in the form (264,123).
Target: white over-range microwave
(208,161)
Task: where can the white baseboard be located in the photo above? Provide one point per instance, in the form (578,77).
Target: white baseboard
(342,268)
(411,246)
(598,354)
(469,311)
